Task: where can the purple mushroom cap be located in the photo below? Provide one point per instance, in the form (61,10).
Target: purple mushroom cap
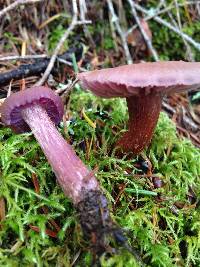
(143,85)
(142,79)
(45,97)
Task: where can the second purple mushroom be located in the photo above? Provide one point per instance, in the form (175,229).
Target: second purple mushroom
(38,109)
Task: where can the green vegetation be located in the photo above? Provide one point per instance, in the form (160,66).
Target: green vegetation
(168,43)
(164,234)
(162,224)
(55,36)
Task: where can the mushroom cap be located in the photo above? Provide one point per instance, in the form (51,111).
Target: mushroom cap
(142,78)
(14,104)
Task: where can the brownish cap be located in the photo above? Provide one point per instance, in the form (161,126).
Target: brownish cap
(142,78)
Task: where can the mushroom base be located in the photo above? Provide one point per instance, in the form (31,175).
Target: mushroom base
(143,116)
(96,222)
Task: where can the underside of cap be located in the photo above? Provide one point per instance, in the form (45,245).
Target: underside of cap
(40,95)
(142,78)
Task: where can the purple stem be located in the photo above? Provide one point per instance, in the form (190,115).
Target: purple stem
(77,181)
(73,176)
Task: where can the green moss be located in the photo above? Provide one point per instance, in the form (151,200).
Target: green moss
(170,45)
(55,36)
(152,226)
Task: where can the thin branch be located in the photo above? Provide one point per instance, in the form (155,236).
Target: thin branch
(198,8)
(189,53)
(157,11)
(60,44)
(170,110)
(115,20)
(39,66)
(73,24)
(145,36)
(171,27)
(20,58)
(15,4)
(114,37)
(83,22)
(68,63)
(177,24)
(83,11)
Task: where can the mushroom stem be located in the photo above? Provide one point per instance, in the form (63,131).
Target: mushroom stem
(77,181)
(73,176)
(143,116)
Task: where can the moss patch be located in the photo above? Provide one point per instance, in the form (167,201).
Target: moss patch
(165,235)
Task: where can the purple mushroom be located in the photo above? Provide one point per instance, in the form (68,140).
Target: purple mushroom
(38,109)
(143,85)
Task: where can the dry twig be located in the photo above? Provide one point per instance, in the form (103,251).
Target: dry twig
(15,4)
(178,25)
(171,27)
(198,8)
(115,20)
(73,24)
(25,57)
(187,121)
(37,67)
(60,44)
(83,11)
(145,36)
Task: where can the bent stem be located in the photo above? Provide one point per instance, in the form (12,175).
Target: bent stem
(143,116)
